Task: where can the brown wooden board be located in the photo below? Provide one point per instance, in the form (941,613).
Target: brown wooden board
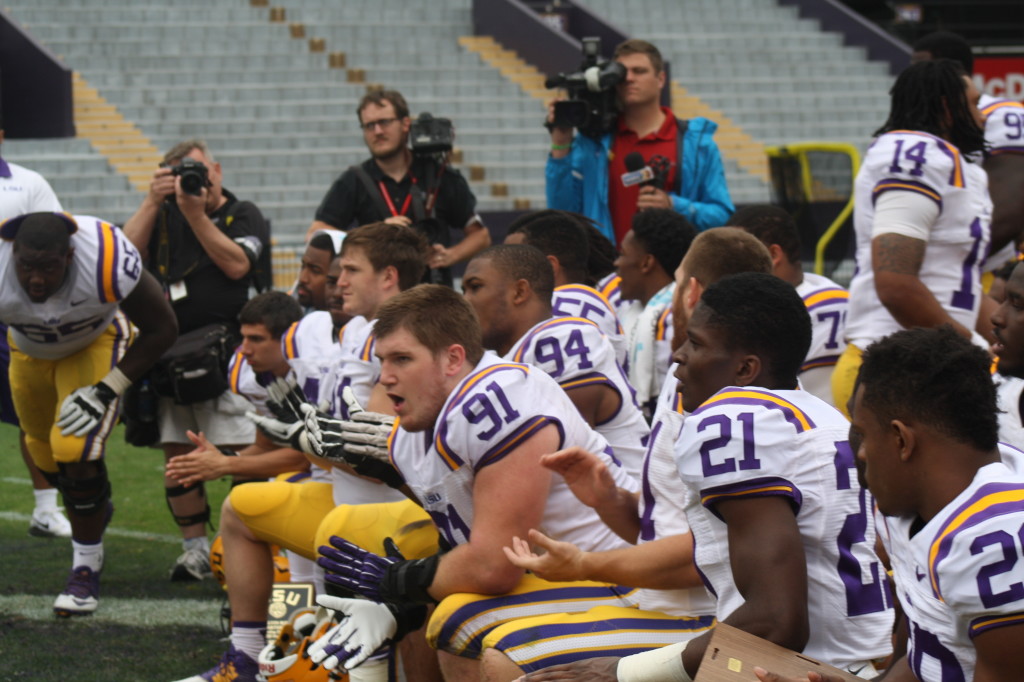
(732,654)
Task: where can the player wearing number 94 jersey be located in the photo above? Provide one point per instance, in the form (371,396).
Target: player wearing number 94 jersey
(921,215)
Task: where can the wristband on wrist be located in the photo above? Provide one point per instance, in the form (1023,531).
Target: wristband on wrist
(116,381)
(665,664)
(227,452)
(561,147)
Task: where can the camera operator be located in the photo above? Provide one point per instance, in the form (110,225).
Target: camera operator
(398,186)
(202,244)
(584,174)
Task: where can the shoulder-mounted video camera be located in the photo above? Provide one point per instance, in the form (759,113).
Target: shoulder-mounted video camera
(430,136)
(593,104)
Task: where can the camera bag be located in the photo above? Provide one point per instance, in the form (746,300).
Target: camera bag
(195,367)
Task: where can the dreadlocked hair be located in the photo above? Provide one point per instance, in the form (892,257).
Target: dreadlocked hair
(930,97)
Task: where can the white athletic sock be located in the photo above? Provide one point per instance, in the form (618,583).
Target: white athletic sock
(90,555)
(201,542)
(46,500)
(249,637)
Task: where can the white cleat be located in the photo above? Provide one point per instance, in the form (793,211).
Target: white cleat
(50,523)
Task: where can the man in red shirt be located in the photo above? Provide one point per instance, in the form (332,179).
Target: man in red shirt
(584,174)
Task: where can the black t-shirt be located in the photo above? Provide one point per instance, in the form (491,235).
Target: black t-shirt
(210,295)
(347,202)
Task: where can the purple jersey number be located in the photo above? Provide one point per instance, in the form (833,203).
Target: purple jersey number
(728,465)
(861,598)
(480,407)
(964,297)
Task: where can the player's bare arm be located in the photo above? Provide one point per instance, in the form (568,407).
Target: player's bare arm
(769,567)
(509,498)
(147,308)
(592,484)
(999,654)
(1005,178)
(597,403)
(896,260)
(663,564)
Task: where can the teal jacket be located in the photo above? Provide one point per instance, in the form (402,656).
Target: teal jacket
(579,182)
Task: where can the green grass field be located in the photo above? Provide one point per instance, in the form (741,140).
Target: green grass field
(147,629)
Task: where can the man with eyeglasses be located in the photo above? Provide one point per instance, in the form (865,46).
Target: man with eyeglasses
(397,187)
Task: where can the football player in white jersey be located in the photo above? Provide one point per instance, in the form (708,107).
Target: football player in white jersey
(1004,160)
(377,262)
(921,217)
(826,301)
(780,524)
(471,430)
(70,287)
(258,360)
(950,505)
(560,236)
(649,255)
(509,287)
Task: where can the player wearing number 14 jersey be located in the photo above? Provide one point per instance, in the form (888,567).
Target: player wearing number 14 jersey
(921,216)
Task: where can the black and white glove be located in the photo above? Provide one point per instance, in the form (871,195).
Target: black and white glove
(84,409)
(365,433)
(285,399)
(290,435)
(361,441)
(365,628)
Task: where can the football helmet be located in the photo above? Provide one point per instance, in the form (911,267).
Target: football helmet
(287,660)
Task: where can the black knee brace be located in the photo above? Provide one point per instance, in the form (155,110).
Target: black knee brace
(84,487)
(189,519)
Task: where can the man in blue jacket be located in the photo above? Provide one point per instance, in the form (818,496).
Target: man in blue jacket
(585,174)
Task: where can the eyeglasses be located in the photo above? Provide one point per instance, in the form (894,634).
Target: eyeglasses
(382,122)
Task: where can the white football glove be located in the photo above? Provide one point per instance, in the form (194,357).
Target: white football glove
(365,627)
(84,409)
(365,433)
(285,399)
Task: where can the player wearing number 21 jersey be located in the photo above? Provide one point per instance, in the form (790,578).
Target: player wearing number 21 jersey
(752,442)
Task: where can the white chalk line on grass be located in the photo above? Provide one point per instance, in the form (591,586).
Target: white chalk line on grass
(119,611)
(113,530)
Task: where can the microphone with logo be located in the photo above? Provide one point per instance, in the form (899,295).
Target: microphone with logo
(646,174)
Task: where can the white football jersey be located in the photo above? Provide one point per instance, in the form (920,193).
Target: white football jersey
(608,286)
(493,409)
(909,161)
(649,337)
(826,303)
(104,271)
(244,381)
(959,575)
(663,502)
(352,364)
(575,353)
(579,300)
(24,191)
(310,347)
(753,442)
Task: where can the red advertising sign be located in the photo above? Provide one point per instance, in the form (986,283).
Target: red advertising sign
(1001,77)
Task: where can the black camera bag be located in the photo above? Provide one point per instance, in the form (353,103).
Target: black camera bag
(195,367)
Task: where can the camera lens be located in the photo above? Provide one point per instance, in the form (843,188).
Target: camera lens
(192,182)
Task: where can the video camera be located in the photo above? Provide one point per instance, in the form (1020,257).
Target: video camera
(593,104)
(430,136)
(194,175)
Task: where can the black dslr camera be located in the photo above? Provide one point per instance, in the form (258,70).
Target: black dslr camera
(194,175)
(593,104)
(430,136)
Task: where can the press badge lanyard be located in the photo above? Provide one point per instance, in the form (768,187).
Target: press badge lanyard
(391,205)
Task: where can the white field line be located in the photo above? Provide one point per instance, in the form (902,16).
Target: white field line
(113,530)
(133,612)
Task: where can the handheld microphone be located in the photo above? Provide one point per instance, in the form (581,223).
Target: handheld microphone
(638,172)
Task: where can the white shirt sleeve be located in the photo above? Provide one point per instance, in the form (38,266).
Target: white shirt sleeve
(907,213)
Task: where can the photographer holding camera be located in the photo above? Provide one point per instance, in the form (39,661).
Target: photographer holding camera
(203,245)
(406,186)
(643,158)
